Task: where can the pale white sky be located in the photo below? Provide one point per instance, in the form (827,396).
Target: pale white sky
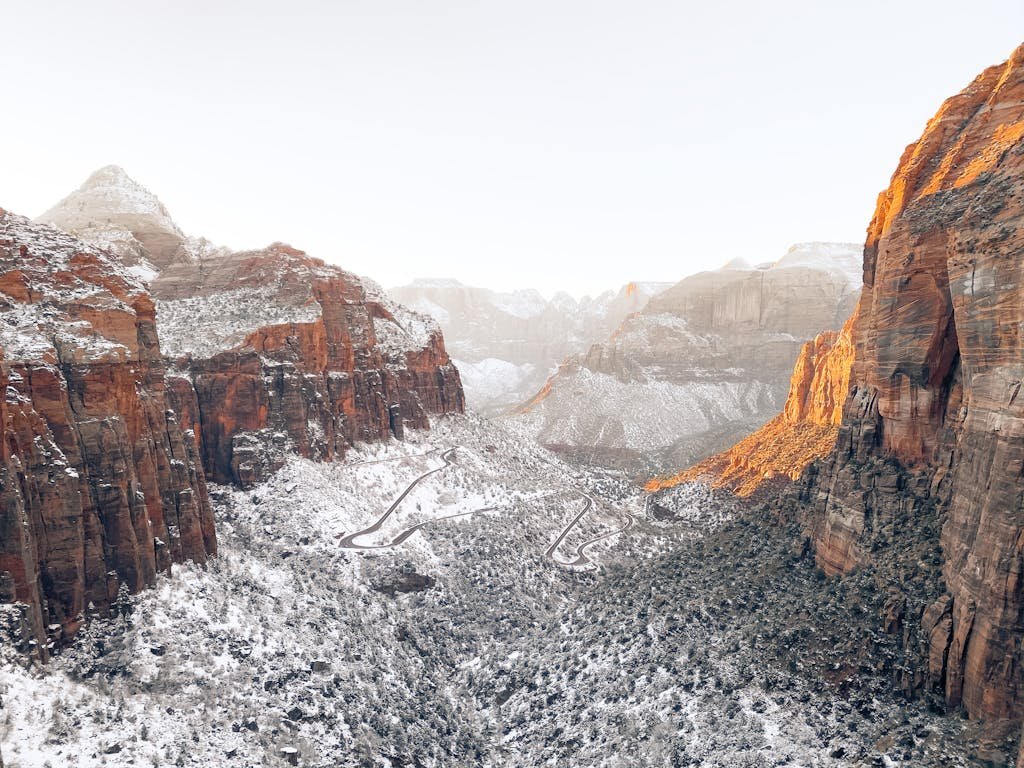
(543,143)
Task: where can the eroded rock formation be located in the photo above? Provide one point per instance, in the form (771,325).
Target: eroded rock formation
(100,486)
(121,399)
(284,351)
(805,431)
(939,359)
(925,483)
(704,363)
(272,350)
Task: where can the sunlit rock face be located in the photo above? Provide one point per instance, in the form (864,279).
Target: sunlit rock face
(938,363)
(805,431)
(926,471)
(506,344)
(704,363)
(101,484)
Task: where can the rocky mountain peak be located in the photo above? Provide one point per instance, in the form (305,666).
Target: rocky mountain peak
(114,211)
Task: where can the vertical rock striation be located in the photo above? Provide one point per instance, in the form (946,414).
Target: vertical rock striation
(121,399)
(923,480)
(934,419)
(99,485)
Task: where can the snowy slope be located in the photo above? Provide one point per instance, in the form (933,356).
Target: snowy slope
(700,366)
(287,644)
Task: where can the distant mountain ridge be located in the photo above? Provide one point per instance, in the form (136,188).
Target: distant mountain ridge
(506,344)
(704,362)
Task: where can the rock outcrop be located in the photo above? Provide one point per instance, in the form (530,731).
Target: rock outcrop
(507,344)
(122,398)
(113,211)
(704,363)
(934,417)
(925,482)
(284,352)
(271,350)
(101,487)
(804,432)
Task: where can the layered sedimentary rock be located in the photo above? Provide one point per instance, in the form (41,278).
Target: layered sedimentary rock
(507,344)
(285,352)
(108,437)
(938,365)
(100,486)
(926,479)
(272,350)
(805,431)
(704,363)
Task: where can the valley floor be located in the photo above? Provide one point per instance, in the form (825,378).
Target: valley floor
(318,637)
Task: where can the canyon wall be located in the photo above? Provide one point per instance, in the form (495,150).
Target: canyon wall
(938,364)
(285,352)
(122,398)
(100,486)
(924,481)
(704,363)
(270,350)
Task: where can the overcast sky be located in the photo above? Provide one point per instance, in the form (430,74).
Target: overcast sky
(513,143)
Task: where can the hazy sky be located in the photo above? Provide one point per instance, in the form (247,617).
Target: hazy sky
(509,143)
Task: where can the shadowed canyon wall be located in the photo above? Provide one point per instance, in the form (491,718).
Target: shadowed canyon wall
(99,484)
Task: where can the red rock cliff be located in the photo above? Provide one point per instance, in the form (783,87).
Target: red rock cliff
(273,350)
(804,432)
(933,430)
(927,466)
(100,487)
(285,352)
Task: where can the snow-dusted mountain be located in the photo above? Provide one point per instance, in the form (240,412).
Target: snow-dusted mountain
(506,344)
(705,361)
(113,211)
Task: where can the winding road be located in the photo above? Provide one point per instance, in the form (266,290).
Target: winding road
(349,541)
(581,555)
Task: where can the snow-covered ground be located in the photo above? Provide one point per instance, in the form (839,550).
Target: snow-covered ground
(498,382)
(464,646)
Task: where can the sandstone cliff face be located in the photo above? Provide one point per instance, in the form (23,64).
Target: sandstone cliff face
(926,479)
(109,434)
(704,363)
(285,352)
(507,344)
(100,487)
(805,431)
(938,364)
(272,350)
